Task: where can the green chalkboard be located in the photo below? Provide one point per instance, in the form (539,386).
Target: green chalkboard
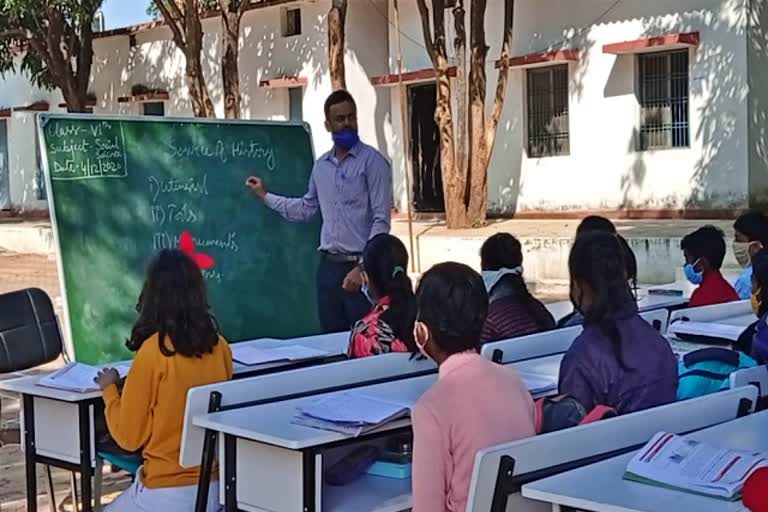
(123,188)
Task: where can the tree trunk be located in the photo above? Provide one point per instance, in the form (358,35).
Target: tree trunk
(477,179)
(453,175)
(454,181)
(462,114)
(230,28)
(198,89)
(336,43)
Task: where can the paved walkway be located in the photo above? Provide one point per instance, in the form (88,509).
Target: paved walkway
(557,229)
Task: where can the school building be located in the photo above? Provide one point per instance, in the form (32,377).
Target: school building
(654,108)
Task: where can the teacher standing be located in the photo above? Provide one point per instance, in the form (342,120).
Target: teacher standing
(351,187)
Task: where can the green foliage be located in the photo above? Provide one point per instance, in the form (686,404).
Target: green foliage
(21,21)
(205,5)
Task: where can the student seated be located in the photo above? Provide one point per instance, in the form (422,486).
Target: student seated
(177,347)
(751,235)
(512,310)
(758,348)
(704,251)
(389,326)
(597,224)
(473,405)
(619,360)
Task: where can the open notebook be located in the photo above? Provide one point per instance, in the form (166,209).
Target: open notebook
(683,464)
(78,377)
(351,413)
(250,355)
(354,413)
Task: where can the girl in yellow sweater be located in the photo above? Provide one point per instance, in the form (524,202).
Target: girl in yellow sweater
(177,347)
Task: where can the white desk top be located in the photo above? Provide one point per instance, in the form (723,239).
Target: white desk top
(271,423)
(334,344)
(645,301)
(742,321)
(601,487)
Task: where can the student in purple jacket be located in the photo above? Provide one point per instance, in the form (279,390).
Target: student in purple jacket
(759,330)
(619,360)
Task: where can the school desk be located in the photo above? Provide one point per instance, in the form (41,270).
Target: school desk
(735,313)
(556,341)
(601,487)
(58,427)
(500,471)
(645,301)
(282,463)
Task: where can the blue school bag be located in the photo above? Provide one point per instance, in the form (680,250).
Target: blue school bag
(708,370)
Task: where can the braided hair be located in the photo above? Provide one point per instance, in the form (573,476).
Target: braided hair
(503,250)
(598,263)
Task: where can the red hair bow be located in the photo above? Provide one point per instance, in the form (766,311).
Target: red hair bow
(187,246)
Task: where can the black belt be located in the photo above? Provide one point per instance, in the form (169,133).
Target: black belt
(340,258)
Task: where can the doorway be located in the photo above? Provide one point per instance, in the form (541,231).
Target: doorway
(5,189)
(425,150)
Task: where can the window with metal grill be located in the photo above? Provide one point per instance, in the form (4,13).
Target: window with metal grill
(548,112)
(664,92)
(291,22)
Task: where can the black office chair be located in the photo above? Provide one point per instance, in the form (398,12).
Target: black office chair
(29,337)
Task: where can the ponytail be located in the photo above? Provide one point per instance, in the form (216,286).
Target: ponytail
(401,314)
(385,260)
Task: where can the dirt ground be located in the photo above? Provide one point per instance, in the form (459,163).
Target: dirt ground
(24,271)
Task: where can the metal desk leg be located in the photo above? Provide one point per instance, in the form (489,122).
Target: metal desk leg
(86,470)
(309,478)
(30,451)
(230,473)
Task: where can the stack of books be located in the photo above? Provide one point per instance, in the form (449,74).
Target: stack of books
(351,413)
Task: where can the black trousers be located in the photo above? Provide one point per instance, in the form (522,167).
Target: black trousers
(338,309)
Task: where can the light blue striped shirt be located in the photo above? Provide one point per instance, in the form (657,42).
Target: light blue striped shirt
(743,284)
(353,196)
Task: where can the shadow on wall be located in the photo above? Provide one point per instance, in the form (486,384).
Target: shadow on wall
(513,129)
(758,104)
(717,132)
(718,77)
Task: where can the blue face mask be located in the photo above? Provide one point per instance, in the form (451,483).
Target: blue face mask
(345,139)
(691,274)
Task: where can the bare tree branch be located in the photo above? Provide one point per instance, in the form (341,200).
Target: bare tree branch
(427,29)
(172,22)
(501,85)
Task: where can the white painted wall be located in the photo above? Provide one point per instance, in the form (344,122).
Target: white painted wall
(264,53)
(603,170)
(156,63)
(17,91)
(23,163)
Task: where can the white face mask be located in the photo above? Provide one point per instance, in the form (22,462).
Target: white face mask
(741,251)
(420,331)
(492,277)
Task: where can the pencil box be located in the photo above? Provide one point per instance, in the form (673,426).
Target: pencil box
(390,470)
